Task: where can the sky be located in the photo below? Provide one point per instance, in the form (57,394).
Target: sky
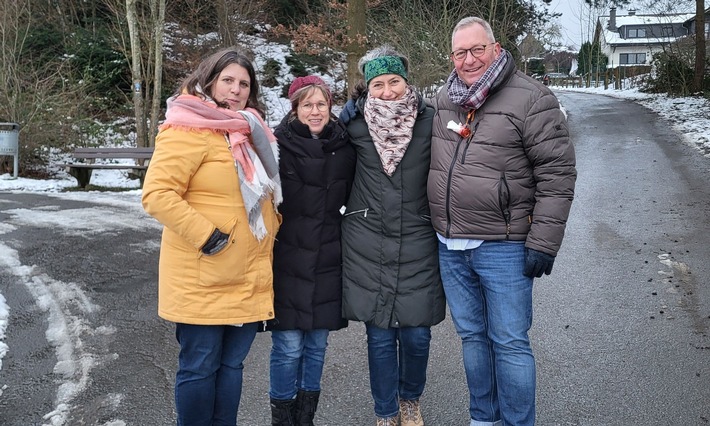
(690,117)
(569,21)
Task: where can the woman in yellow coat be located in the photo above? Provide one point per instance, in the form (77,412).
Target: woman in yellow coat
(213,183)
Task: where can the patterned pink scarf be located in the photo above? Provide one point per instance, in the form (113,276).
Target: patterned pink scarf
(252,143)
(192,112)
(391,124)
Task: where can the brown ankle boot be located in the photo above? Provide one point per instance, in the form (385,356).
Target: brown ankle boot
(410,413)
(388,421)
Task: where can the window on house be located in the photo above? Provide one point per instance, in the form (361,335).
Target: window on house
(667,31)
(707,30)
(632,58)
(637,33)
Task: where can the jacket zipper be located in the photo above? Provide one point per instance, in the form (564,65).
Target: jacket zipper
(468,142)
(469,117)
(504,201)
(448,189)
(364,211)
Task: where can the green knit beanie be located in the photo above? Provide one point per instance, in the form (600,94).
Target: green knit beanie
(384,65)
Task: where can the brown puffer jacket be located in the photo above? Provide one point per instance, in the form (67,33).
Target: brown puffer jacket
(514,177)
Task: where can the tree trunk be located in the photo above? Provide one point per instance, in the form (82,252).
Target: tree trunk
(223,22)
(699,74)
(158,29)
(357,19)
(138,107)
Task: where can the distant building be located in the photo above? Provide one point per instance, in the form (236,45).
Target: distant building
(690,24)
(631,40)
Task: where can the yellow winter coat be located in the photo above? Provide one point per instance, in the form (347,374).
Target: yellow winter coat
(192,187)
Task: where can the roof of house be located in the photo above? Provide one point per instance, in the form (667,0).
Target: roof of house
(613,37)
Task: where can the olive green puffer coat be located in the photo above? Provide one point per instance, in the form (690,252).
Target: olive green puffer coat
(390,251)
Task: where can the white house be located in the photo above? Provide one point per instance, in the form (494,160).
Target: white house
(632,39)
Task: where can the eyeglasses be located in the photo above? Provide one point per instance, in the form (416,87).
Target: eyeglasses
(476,51)
(321,106)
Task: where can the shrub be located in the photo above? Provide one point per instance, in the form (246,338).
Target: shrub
(270,73)
(104,72)
(670,74)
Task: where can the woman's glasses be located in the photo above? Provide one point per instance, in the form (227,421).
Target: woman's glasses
(320,106)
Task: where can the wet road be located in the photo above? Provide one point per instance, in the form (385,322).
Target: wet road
(621,329)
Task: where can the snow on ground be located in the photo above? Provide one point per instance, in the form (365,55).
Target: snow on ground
(689,116)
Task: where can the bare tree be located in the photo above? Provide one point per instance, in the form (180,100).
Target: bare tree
(683,61)
(144,21)
(158,7)
(223,21)
(357,21)
(421,29)
(136,72)
(39,95)
(700,54)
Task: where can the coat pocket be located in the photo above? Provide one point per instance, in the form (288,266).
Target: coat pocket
(228,266)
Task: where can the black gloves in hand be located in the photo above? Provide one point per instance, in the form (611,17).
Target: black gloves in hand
(217,241)
(537,263)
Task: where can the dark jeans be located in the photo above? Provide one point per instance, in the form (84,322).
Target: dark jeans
(297,359)
(398,359)
(208,383)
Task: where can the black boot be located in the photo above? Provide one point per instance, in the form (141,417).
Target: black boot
(306,406)
(282,412)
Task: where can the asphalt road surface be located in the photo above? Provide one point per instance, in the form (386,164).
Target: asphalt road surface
(621,330)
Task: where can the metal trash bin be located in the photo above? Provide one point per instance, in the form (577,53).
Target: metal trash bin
(10,143)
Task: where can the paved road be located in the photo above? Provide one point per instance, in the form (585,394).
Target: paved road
(621,328)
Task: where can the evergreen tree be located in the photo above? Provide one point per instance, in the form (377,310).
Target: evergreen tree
(591,58)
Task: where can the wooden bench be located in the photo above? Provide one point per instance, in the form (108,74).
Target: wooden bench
(86,157)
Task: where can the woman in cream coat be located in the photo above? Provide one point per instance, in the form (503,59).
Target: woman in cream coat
(213,183)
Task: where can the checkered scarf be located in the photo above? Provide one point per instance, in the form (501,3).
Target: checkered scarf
(473,97)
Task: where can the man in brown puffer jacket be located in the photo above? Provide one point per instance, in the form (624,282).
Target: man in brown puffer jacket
(500,188)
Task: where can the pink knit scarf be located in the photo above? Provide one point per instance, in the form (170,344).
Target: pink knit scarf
(253,147)
(192,112)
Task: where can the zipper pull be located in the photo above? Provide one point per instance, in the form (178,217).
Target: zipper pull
(468,142)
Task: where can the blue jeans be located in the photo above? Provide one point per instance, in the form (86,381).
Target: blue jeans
(297,359)
(208,383)
(396,372)
(491,306)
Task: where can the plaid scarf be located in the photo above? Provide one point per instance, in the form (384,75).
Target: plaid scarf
(251,143)
(391,124)
(473,97)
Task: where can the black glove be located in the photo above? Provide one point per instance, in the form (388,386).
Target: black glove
(217,241)
(537,263)
(349,111)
